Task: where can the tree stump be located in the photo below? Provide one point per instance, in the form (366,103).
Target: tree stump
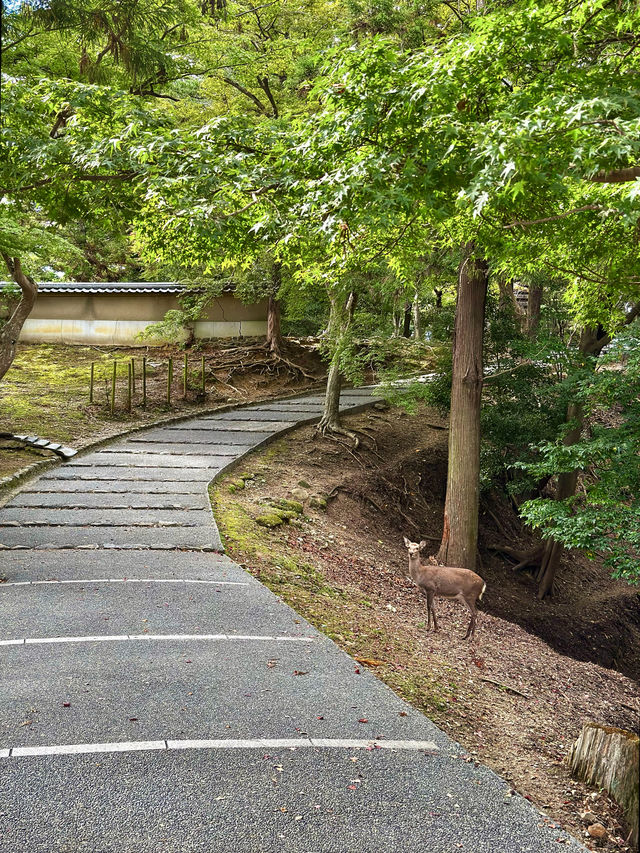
(609,758)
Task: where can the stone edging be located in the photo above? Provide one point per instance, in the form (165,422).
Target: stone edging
(223,472)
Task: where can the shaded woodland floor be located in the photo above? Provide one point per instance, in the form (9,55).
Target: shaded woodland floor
(517,696)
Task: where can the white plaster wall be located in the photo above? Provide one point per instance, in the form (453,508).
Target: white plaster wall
(124,332)
(230,328)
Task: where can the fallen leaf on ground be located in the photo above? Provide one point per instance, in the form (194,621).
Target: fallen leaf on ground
(371,661)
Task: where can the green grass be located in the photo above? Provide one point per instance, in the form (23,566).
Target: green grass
(46,391)
(344,614)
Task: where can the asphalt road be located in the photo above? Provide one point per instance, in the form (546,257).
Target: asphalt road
(156,697)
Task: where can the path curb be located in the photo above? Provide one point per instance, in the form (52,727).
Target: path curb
(9,485)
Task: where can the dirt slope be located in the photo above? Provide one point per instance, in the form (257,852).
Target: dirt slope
(515,697)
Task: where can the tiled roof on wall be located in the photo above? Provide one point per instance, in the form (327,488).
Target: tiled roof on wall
(110,287)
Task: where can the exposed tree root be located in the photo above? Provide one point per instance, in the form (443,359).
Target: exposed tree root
(496,520)
(328,428)
(523,559)
(278,357)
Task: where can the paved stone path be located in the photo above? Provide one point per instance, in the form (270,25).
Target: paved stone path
(156,697)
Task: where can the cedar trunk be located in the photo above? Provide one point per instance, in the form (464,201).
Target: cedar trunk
(10,331)
(460,533)
(406,325)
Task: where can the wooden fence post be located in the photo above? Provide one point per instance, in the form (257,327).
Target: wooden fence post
(169,381)
(129,385)
(204,389)
(144,381)
(184,376)
(91,382)
(113,387)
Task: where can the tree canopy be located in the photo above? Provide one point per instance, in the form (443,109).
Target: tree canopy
(353,156)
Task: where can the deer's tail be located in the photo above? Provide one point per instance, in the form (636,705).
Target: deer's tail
(484,586)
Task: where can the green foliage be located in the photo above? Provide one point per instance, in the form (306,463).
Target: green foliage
(604,516)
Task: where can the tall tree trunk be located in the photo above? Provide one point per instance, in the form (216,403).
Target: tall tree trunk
(406,322)
(460,533)
(10,331)
(340,317)
(274,334)
(397,322)
(417,319)
(534,301)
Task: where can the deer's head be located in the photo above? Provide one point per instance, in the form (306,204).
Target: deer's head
(414,548)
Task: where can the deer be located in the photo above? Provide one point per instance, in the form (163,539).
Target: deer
(449,582)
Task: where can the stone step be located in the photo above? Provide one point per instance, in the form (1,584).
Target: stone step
(109,500)
(28,517)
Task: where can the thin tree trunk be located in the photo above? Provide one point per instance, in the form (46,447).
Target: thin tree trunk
(460,533)
(397,323)
(340,317)
(534,301)
(438,294)
(331,415)
(10,331)
(417,319)
(406,323)
(274,334)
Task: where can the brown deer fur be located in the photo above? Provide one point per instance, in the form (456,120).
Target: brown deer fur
(447,581)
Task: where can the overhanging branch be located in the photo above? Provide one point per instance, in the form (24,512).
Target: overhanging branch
(616,176)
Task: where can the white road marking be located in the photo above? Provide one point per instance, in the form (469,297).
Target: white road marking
(247,743)
(123,580)
(107,638)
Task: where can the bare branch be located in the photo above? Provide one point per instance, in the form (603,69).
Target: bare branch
(596,347)
(248,94)
(264,85)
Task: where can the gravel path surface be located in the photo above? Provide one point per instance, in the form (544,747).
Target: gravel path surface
(156,697)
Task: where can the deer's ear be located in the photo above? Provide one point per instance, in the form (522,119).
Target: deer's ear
(406,541)
(423,544)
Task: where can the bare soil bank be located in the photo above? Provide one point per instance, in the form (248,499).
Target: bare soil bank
(517,696)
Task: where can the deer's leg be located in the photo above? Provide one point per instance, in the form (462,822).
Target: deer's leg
(432,610)
(471,605)
(472,626)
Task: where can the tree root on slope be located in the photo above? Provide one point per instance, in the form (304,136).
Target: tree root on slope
(524,559)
